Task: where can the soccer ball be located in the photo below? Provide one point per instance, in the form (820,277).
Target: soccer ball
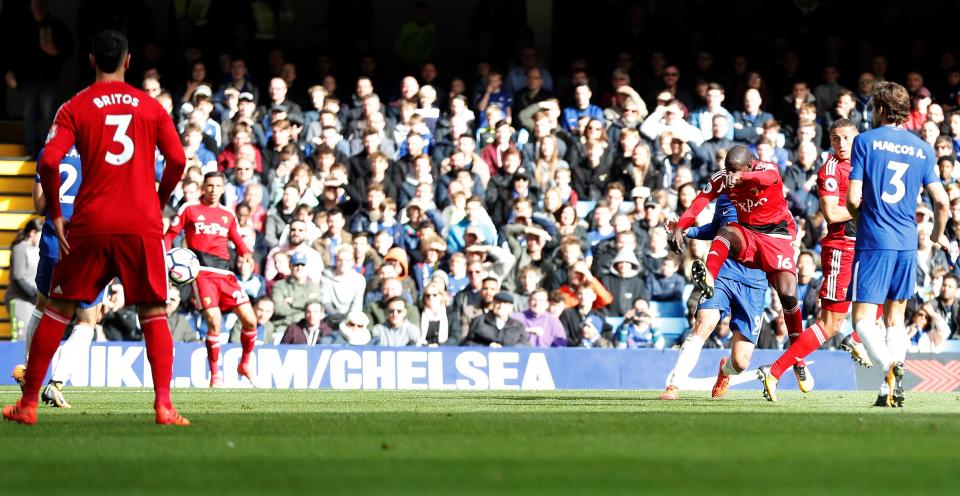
(182,265)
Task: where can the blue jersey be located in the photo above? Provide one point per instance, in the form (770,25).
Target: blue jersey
(893,165)
(70,177)
(724,214)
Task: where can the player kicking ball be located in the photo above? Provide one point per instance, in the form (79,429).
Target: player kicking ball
(116,229)
(889,167)
(760,238)
(739,292)
(209,226)
(87,313)
(836,259)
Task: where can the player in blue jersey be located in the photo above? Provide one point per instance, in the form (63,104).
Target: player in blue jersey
(87,314)
(739,292)
(889,166)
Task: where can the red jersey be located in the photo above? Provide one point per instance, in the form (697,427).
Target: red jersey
(116,129)
(209,227)
(833,179)
(758,199)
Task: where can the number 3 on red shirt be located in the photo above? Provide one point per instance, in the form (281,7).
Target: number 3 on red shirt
(122,122)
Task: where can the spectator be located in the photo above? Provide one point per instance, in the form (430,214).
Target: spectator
(310,329)
(748,123)
(625,283)
(472,301)
(946,306)
(584,325)
(266,331)
(352,331)
(44,45)
(291,295)
(544,330)
(397,330)
(496,328)
(297,244)
(703,117)
(637,329)
(667,284)
(179,327)
(390,288)
(434,326)
(22,292)
(572,115)
(342,287)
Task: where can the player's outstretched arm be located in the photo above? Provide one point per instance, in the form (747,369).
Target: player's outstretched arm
(941,212)
(854,198)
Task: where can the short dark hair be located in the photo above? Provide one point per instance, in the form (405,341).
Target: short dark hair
(739,155)
(214,174)
(841,123)
(951,275)
(109,48)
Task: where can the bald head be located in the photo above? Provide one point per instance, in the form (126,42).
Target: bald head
(739,158)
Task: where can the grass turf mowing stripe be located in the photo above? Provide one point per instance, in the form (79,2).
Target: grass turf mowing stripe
(587,442)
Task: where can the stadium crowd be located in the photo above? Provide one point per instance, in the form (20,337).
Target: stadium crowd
(524,205)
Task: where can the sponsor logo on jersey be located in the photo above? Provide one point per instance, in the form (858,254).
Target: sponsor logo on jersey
(210,228)
(749,205)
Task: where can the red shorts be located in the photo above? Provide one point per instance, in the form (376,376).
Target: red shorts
(767,252)
(217,290)
(837,265)
(94,261)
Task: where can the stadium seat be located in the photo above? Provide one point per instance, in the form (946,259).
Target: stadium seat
(614,322)
(951,346)
(584,208)
(667,308)
(671,327)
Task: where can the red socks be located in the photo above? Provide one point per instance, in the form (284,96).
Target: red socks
(719,250)
(808,342)
(248,338)
(213,352)
(794,322)
(45,341)
(156,333)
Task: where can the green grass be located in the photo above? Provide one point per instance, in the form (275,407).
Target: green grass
(451,443)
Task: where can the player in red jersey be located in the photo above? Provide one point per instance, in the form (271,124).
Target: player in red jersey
(209,226)
(761,239)
(836,259)
(116,229)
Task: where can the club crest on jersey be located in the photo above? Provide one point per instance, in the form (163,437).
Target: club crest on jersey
(225,219)
(754,191)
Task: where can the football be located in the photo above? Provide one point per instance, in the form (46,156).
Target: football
(182,265)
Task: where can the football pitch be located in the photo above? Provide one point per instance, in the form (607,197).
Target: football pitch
(451,443)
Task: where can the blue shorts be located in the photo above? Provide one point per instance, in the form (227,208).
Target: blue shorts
(744,304)
(45,274)
(887,275)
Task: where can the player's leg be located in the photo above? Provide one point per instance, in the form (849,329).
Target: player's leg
(812,338)
(20,370)
(741,350)
(785,283)
(44,274)
(47,337)
(869,292)
(76,346)
(706,321)
(248,338)
(140,260)
(897,341)
(214,318)
(728,243)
